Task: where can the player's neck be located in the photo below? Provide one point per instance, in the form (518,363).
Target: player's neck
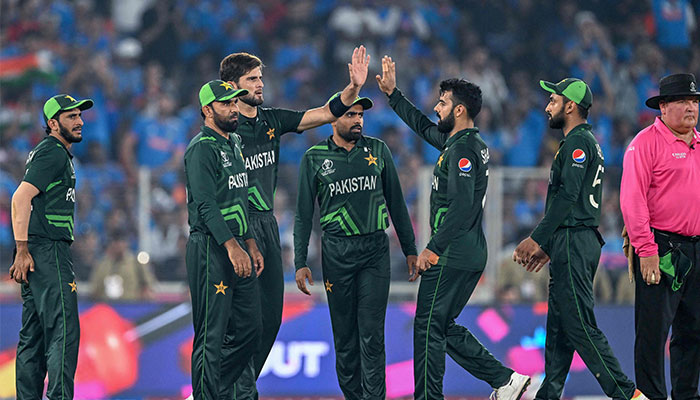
(62,140)
(247,110)
(211,125)
(461,125)
(573,123)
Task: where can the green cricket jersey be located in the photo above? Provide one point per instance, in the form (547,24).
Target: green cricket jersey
(460,178)
(260,138)
(50,169)
(356,190)
(575,185)
(217,186)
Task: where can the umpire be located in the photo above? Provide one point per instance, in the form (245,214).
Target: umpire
(42,221)
(356,184)
(225,312)
(568,234)
(659,198)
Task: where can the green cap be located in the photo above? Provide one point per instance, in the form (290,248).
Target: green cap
(218,90)
(573,89)
(365,102)
(63,102)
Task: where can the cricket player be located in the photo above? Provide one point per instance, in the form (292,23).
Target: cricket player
(354,180)
(260,129)
(224,291)
(42,221)
(568,235)
(454,259)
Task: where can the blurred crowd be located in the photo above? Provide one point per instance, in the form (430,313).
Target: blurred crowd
(142,62)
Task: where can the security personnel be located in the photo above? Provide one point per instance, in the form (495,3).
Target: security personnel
(357,187)
(260,130)
(226,318)
(454,260)
(568,234)
(42,221)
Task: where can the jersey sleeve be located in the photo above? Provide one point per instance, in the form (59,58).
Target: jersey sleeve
(289,120)
(573,173)
(416,120)
(303,219)
(396,204)
(200,168)
(634,204)
(45,166)
(460,195)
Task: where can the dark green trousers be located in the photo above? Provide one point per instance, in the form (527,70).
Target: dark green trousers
(50,334)
(443,293)
(271,283)
(571,324)
(226,317)
(356,275)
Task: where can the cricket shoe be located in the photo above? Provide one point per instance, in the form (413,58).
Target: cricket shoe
(513,390)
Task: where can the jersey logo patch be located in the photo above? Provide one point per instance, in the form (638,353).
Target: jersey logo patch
(465,165)
(327,167)
(485,156)
(579,156)
(224,159)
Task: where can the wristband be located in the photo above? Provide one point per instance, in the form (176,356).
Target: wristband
(337,107)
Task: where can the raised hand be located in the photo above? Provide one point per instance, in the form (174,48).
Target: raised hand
(359,66)
(387,82)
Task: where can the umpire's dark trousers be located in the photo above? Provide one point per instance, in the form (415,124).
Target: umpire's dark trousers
(571,323)
(356,275)
(658,307)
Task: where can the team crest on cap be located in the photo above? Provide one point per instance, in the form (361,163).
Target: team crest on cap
(579,156)
(692,87)
(465,165)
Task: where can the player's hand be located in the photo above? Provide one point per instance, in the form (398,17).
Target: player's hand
(525,251)
(256,256)
(387,82)
(538,260)
(412,269)
(426,259)
(19,271)
(239,258)
(303,275)
(359,66)
(649,267)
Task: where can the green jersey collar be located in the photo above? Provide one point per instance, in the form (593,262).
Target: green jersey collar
(207,131)
(334,147)
(459,134)
(580,128)
(61,145)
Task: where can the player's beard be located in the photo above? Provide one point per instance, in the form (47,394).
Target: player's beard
(226,124)
(351,135)
(251,100)
(557,121)
(69,136)
(447,124)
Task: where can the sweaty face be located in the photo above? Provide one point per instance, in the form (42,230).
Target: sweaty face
(349,125)
(225,115)
(555,111)
(680,115)
(445,113)
(252,81)
(70,126)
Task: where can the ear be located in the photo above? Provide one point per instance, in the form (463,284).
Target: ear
(207,111)
(570,107)
(52,124)
(460,109)
(234,84)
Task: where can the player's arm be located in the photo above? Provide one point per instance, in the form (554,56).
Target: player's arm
(303,222)
(328,113)
(21,212)
(460,197)
(410,114)
(572,176)
(397,205)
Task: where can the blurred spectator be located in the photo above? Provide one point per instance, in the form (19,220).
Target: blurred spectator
(675,20)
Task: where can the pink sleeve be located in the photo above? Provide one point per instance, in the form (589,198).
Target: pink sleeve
(636,178)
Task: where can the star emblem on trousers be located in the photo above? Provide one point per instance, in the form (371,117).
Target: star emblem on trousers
(271,133)
(329,286)
(73,286)
(221,288)
(371,160)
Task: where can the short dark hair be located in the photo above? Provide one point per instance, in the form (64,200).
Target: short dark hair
(582,111)
(464,93)
(235,65)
